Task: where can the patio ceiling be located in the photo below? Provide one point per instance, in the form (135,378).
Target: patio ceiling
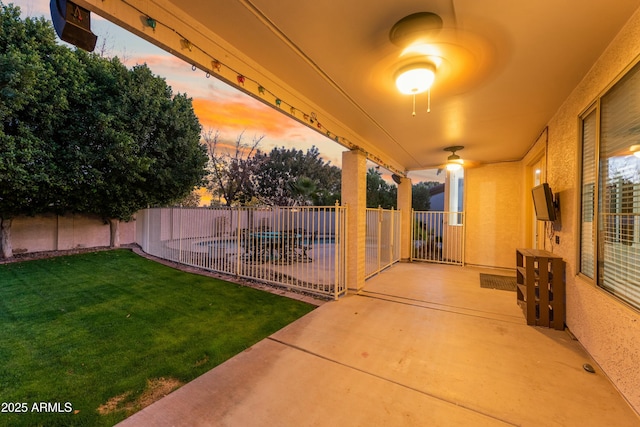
(504,67)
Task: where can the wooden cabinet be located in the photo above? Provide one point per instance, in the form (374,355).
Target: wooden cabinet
(541,287)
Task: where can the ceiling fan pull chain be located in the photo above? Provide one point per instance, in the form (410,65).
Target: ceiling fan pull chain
(428,101)
(414,105)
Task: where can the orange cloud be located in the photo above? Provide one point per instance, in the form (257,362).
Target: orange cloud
(234,116)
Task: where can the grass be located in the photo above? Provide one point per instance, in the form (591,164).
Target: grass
(83,331)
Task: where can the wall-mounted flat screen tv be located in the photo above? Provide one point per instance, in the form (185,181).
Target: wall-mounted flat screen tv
(543,203)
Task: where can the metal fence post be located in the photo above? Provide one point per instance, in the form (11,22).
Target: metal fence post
(238,237)
(338,255)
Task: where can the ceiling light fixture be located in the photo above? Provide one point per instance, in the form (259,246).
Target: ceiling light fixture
(416,78)
(454,162)
(635,150)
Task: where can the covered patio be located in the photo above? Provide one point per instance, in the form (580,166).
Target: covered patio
(515,85)
(423,344)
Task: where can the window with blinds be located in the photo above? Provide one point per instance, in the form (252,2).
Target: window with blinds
(617,210)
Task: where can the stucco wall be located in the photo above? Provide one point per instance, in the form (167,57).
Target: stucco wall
(53,232)
(607,328)
(494,223)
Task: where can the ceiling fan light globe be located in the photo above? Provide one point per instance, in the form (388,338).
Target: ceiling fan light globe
(415,79)
(452,166)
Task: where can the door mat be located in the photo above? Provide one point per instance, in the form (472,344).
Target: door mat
(492,281)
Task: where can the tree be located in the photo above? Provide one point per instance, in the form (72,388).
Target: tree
(421,196)
(34,81)
(191,200)
(231,168)
(303,189)
(81,133)
(132,142)
(379,192)
(286,177)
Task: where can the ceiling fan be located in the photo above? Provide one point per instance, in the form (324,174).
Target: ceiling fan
(454,161)
(444,56)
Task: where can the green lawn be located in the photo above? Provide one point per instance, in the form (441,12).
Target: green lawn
(81,331)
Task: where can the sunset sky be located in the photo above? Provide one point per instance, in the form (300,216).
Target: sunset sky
(219,107)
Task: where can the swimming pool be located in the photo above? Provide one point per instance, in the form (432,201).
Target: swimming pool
(231,243)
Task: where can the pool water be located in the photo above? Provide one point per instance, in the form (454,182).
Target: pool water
(232,243)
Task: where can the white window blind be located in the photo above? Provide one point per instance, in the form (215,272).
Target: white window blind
(619,190)
(587,237)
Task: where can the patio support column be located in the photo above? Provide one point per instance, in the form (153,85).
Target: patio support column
(354,196)
(404,205)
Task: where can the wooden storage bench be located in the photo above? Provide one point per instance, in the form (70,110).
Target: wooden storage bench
(541,287)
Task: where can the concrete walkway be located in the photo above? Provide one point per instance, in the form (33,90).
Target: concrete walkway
(423,345)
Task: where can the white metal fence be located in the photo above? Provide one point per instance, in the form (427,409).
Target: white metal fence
(296,247)
(382,247)
(438,237)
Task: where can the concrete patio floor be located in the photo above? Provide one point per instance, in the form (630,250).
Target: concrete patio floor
(422,345)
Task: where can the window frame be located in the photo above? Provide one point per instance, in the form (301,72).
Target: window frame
(597,249)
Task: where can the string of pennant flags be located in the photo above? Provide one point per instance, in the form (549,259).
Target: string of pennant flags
(309,118)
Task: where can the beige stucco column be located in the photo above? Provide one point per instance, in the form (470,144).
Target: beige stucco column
(404,205)
(354,196)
